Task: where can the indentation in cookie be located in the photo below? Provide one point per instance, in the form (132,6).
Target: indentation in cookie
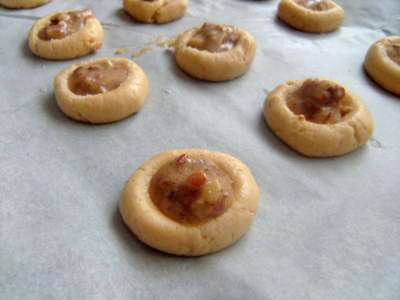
(65,23)
(393,50)
(320,101)
(96,78)
(214,38)
(191,190)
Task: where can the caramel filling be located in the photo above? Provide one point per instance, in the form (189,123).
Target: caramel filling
(320,101)
(64,24)
(214,38)
(393,50)
(191,191)
(318,5)
(97,78)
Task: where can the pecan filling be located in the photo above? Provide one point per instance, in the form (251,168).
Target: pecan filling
(97,78)
(214,38)
(320,101)
(393,50)
(191,191)
(318,5)
(64,24)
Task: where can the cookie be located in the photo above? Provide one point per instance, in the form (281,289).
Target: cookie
(190,201)
(382,63)
(155,11)
(215,52)
(311,15)
(66,35)
(102,90)
(22,3)
(318,117)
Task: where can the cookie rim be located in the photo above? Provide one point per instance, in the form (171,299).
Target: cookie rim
(21,4)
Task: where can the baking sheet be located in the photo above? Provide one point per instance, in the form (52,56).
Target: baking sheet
(325,228)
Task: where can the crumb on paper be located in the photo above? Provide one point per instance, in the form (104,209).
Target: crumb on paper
(155,40)
(168,43)
(162,42)
(120,51)
(141,51)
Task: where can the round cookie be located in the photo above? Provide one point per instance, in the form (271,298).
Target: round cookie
(311,15)
(102,90)
(155,11)
(318,118)
(190,201)
(382,63)
(215,52)
(22,3)
(66,35)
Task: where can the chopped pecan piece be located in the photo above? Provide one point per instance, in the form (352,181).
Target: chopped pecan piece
(322,92)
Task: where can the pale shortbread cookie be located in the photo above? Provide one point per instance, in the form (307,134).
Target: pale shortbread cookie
(382,63)
(23,3)
(157,230)
(215,52)
(86,39)
(311,15)
(81,96)
(341,123)
(156,11)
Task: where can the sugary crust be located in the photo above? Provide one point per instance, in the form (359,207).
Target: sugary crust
(160,11)
(87,40)
(107,107)
(22,3)
(309,20)
(381,67)
(215,66)
(312,139)
(158,231)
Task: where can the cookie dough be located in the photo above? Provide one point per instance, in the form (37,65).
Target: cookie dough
(215,52)
(318,117)
(22,3)
(155,11)
(382,63)
(190,201)
(102,90)
(311,15)
(66,35)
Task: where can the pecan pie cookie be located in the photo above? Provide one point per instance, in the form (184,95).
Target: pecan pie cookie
(102,90)
(155,11)
(311,15)
(190,201)
(215,52)
(382,63)
(66,35)
(318,117)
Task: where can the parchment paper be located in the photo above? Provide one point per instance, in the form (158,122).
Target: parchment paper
(325,228)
